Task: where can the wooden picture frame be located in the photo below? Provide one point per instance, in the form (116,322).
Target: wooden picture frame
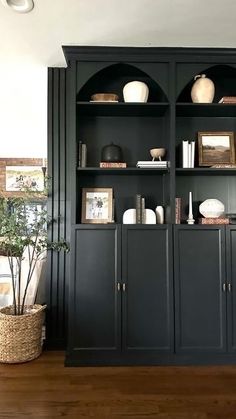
(216,147)
(97,205)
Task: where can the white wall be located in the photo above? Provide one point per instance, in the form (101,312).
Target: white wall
(23,109)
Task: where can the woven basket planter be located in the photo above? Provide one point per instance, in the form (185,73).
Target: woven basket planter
(21,336)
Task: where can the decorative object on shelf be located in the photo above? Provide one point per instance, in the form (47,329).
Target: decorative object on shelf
(104,97)
(157,153)
(188,154)
(97,205)
(213,220)
(159,210)
(216,147)
(111,153)
(190,219)
(212,208)
(129,216)
(82,154)
(178,202)
(228,99)
(117,165)
(135,91)
(203,89)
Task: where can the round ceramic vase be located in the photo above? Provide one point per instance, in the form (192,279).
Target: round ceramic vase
(135,91)
(203,90)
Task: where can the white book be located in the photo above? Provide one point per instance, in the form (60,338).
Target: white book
(185,157)
(189,155)
(192,153)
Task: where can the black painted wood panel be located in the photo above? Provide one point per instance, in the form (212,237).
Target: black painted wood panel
(57,150)
(200,299)
(147,299)
(94,322)
(231,287)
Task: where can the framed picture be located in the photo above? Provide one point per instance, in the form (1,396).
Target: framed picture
(97,205)
(20,177)
(18,174)
(216,147)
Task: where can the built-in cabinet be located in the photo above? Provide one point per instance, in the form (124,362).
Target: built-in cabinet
(141,293)
(124,276)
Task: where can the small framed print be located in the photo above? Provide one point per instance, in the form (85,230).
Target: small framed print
(97,205)
(216,147)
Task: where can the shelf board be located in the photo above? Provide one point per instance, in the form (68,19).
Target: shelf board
(205,171)
(122,109)
(120,171)
(206,109)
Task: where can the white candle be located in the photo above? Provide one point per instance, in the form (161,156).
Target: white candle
(190,205)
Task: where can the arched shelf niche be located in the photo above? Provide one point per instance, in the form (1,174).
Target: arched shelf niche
(223,77)
(113,78)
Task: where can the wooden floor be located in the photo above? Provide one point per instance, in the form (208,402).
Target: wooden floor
(44,388)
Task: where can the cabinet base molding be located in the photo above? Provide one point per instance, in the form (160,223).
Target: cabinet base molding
(81,360)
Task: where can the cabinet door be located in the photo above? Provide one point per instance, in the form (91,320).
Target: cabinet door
(147,299)
(231,286)
(94,321)
(199,290)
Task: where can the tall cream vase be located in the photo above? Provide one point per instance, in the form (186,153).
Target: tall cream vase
(203,90)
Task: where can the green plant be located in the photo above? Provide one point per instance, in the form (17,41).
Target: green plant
(23,233)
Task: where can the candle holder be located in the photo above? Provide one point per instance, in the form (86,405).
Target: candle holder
(190,219)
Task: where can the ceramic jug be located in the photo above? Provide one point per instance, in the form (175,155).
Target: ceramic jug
(203,89)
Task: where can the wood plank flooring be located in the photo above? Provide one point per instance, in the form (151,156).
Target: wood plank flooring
(44,388)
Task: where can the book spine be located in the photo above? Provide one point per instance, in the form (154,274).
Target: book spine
(84,155)
(79,154)
(107,164)
(213,220)
(177,210)
(192,153)
(138,209)
(185,154)
(143,211)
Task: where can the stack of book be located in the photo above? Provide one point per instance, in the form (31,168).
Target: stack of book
(147,164)
(228,99)
(188,154)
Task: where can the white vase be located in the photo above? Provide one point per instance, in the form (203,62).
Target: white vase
(203,90)
(159,214)
(135,91)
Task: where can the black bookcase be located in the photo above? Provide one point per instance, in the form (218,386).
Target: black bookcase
(76,307)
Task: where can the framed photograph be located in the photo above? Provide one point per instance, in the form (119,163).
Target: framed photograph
(18,174)
(97,205)
(20,177)
(216,147)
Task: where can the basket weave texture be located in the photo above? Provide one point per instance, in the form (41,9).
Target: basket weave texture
(21,336)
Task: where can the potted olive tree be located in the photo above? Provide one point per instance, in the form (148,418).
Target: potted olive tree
(23,236)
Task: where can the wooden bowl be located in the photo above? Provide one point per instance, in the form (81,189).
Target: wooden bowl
(104,97)
(157,153)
